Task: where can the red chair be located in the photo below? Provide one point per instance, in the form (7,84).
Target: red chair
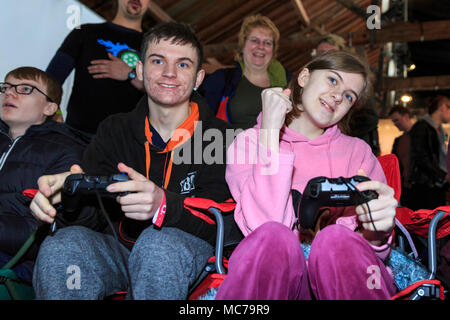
(430,224)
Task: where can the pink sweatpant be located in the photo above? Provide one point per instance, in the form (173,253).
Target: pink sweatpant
(269,265)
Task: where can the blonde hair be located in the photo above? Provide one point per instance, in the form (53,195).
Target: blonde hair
(334,40)
(255,21)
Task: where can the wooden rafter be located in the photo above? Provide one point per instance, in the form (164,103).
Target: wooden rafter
(353,7)
(428,83)
(406,32)
(302,12)
(158,13)
(215,30)
(398,32)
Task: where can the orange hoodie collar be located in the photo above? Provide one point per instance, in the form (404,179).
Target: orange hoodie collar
(182,134)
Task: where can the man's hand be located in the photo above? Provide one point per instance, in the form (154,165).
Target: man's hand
(49,194)
(144,199)
(114,68)
(382,211)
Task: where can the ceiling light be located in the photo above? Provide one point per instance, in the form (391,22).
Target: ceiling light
(411,67)
(406,98)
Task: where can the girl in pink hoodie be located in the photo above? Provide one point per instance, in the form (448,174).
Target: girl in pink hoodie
(299,137)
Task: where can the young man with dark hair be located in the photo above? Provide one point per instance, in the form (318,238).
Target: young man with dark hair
(31,145)
(104,56)
(428,151)
(165,238)
(401,117)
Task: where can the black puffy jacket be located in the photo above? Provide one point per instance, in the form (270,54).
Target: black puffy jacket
(48,148)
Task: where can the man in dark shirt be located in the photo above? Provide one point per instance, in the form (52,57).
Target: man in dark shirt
(104,56)
(428,151)
(401,117)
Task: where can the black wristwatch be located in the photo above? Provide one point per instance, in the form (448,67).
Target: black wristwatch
(132,74)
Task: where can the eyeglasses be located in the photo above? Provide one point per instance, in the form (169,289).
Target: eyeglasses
(24,89)
(256,41)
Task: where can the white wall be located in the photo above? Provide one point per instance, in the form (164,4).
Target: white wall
(32,31)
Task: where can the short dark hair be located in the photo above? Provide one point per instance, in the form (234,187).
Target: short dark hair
(400,110)
(435,103)
(179,33)
(53,87)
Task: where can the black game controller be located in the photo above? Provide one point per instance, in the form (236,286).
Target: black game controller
(78,185)
(331,192)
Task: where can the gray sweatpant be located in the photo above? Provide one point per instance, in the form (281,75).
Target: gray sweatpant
(79,263)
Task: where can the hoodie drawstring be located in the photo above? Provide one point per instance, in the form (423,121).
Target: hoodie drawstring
(188,126)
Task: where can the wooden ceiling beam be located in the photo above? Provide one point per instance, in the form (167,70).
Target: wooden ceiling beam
(353,7)
(158,13)
(405,32)
(215,30)
(428,83)
(323,16)
(304,18)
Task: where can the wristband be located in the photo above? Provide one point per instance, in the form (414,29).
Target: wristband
(158,218)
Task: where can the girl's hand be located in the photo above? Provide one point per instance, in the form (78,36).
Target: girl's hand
(275,106)
(382,211)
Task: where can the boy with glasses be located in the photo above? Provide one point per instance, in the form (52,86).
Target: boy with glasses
(31,144)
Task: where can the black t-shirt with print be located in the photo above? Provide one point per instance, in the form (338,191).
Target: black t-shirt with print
(92,100)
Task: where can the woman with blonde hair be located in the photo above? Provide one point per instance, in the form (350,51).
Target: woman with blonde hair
(234,94)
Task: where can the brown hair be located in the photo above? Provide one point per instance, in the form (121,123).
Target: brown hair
(436,102)
(52,88)
(400,110)
(255,21)
(178,33)
(333,60)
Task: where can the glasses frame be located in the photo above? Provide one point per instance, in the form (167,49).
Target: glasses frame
(25,94)
(258,42)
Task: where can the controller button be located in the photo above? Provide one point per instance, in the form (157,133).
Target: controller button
(314,190)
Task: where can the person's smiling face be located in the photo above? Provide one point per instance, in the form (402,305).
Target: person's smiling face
(258,48)
(328,95)
(170,72)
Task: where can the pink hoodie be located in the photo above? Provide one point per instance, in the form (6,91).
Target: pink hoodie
(261,184)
